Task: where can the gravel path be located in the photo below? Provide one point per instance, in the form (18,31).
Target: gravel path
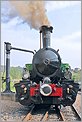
(12,111)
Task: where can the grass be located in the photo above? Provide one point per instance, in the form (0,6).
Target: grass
(12,88)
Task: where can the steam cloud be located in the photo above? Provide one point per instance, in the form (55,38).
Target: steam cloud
(33,12)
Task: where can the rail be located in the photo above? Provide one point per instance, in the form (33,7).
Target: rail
(76,112)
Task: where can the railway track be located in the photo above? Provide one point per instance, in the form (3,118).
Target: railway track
(71,114)
(51,113)
(44,114)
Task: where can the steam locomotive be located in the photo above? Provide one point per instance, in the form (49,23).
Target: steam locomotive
(46,84)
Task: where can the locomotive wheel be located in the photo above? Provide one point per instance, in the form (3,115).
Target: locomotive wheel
(26,102)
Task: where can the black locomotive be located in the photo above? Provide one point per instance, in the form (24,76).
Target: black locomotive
(46,84)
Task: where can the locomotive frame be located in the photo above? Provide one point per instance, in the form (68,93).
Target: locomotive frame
(46,84)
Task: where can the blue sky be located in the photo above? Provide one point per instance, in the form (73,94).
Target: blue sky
(64,16)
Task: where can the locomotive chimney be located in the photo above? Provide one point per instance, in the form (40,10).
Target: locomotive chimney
(46,31)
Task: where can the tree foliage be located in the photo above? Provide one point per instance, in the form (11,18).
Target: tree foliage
(16,72)
(76,76)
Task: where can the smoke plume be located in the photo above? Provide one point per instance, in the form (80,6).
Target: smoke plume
(33,12)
